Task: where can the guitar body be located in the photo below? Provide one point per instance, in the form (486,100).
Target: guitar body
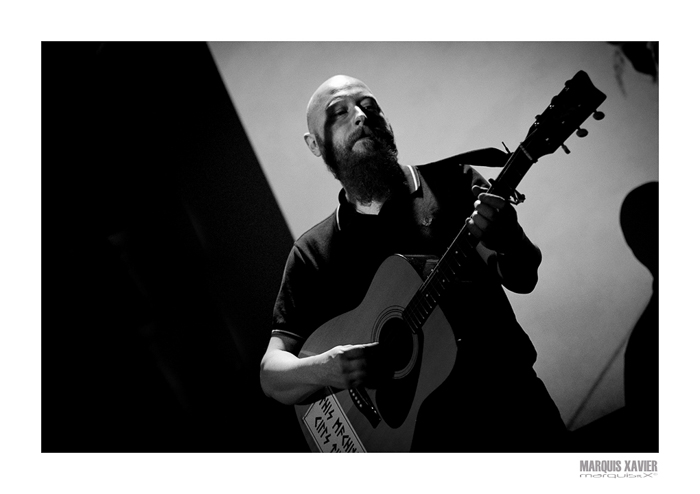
(421,360)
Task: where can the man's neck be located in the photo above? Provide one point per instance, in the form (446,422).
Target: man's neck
(370,208)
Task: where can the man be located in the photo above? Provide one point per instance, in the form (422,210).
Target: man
(493,400)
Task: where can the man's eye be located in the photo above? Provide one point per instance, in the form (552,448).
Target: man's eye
(340,111)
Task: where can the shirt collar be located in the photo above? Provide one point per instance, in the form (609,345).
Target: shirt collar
(414,184)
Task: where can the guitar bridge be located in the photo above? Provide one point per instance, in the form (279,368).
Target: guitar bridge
(364,404)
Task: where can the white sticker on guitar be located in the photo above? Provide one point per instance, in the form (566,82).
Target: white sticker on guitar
(330,427)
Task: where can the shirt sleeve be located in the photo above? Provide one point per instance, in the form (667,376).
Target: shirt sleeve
(473,178)
(306,296)
(293,283)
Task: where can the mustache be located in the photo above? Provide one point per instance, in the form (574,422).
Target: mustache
(361,132)
(376,133)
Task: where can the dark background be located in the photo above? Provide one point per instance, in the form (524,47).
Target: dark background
(162,251)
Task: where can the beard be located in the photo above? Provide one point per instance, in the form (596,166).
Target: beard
(371,172)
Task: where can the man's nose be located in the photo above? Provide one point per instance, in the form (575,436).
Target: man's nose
(360,116)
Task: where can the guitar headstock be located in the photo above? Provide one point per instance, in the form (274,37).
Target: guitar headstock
(565,114)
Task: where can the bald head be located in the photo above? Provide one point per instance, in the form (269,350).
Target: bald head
(325,92)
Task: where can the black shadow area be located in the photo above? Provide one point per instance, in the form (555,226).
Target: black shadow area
(162,251)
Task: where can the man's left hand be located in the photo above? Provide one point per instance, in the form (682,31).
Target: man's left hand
(494,221)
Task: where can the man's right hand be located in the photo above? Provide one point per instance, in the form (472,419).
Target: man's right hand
(290,379)
(349,366)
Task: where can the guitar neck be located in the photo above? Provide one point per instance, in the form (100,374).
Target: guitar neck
(461,255)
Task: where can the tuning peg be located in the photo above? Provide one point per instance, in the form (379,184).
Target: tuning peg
(581,132)
(566,150)
(599,115)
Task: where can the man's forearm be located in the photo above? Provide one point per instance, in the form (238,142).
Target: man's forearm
(518,266)
(287,378)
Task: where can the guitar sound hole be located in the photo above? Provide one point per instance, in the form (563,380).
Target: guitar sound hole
(400,357)
(397,343)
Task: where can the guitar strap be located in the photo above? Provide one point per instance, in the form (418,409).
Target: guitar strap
(490,157)
(487,157)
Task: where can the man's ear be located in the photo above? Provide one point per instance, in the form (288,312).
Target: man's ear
(312,144)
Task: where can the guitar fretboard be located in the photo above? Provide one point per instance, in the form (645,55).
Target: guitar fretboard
(448,271)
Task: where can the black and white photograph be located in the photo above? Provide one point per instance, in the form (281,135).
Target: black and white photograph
(442,254)
(483,215)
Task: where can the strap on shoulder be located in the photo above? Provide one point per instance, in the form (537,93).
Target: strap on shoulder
(490,157)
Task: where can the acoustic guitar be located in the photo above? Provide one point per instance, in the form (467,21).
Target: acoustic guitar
(401,311)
